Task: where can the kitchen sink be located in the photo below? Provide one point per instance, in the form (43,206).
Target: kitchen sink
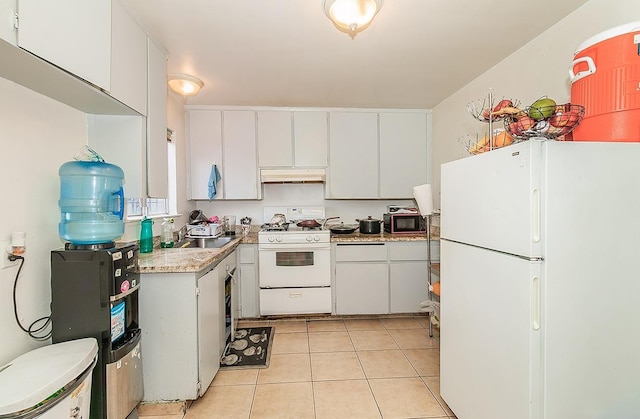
(204,242)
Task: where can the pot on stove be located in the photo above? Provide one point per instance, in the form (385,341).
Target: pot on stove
(278,219)
(369,225)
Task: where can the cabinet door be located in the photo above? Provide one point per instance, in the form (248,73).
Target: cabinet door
(157,160)
(209,323)
(72,34)
(408,286)
(240,170)
(310,133)
(353,142)
(128,60)
(205,149)
(8,8)
(249,289)
(403,153)
(362,288)
(274,139)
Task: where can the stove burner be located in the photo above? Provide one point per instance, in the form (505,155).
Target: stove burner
(275,227)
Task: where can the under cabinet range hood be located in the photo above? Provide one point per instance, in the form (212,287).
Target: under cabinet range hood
(292,175)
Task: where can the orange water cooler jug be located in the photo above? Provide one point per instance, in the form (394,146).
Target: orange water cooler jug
(605,79)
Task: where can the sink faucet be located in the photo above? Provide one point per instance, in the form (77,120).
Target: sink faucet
(182,233)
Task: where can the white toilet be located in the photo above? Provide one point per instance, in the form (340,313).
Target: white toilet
(50,382)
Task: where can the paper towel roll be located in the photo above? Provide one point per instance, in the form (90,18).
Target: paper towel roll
(423,197)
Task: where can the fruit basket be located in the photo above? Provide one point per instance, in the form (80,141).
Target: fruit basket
(547,121)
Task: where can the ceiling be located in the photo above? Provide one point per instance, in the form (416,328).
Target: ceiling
(287,53)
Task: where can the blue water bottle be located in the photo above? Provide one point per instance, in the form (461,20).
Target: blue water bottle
(146,236)
(91,202)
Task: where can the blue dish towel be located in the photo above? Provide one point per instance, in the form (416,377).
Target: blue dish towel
(214,178)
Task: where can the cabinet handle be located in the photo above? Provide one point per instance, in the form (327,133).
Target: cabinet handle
(535,303)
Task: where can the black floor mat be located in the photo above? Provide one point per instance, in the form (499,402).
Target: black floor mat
(251,348)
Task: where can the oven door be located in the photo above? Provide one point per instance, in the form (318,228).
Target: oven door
(283,266)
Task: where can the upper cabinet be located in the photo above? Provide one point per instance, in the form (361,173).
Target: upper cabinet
(310,132)
(403,153)
(240,159)
(205,150)
(292,138)
(353,142)
(129,61)
(390,147)
(275,140)
(157,159)
(72,34)
(226,139)
(8,21)
(95,41)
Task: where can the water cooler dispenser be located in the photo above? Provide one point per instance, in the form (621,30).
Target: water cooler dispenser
(95,283)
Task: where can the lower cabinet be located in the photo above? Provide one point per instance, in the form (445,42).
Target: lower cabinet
(381,277)
(182,321)
(249,285)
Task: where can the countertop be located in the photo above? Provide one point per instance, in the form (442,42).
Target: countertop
(193,260)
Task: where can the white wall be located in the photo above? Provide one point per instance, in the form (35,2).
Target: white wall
(537,69)
(38,135)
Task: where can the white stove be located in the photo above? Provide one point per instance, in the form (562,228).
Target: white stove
(294,263)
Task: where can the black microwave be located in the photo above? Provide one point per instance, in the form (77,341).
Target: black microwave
(404,223)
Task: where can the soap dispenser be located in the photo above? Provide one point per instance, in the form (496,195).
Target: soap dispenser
(166,238)
(146,236)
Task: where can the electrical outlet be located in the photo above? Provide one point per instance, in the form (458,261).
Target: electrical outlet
(4,256)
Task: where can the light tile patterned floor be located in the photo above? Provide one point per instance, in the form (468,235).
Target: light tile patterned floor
(325,368)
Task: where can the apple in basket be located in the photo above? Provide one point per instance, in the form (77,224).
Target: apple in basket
(561,119)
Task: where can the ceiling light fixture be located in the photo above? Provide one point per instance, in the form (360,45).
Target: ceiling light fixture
(352,16)
(184,84)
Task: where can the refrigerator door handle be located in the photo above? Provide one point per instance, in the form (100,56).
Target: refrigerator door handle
(535,303)
(535,214)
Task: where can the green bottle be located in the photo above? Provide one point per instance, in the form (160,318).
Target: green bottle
(146,236)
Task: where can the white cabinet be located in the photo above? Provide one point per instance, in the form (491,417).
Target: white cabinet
(275,145)
(96,41)
(72,34)
(128,60)
(208,293)
(157,159)
(228,140)
(240,157)
(249,285)
(205,149)
(403,153)
(353,138)
(135,143)
(361,278)
(180,322)
(310,133)
(381,277)
(292,138)
(8,10)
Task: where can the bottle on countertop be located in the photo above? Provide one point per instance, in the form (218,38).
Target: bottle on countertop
(166,238)
(146,236)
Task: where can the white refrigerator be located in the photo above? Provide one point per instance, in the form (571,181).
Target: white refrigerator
(540,272)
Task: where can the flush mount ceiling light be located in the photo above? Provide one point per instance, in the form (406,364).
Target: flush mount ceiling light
(184,84)
(352,16)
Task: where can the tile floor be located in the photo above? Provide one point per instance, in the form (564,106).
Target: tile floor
(343,368)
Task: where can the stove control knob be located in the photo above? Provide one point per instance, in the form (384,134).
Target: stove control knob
(309,238)
(316,238)
(270,239)
(279,239)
